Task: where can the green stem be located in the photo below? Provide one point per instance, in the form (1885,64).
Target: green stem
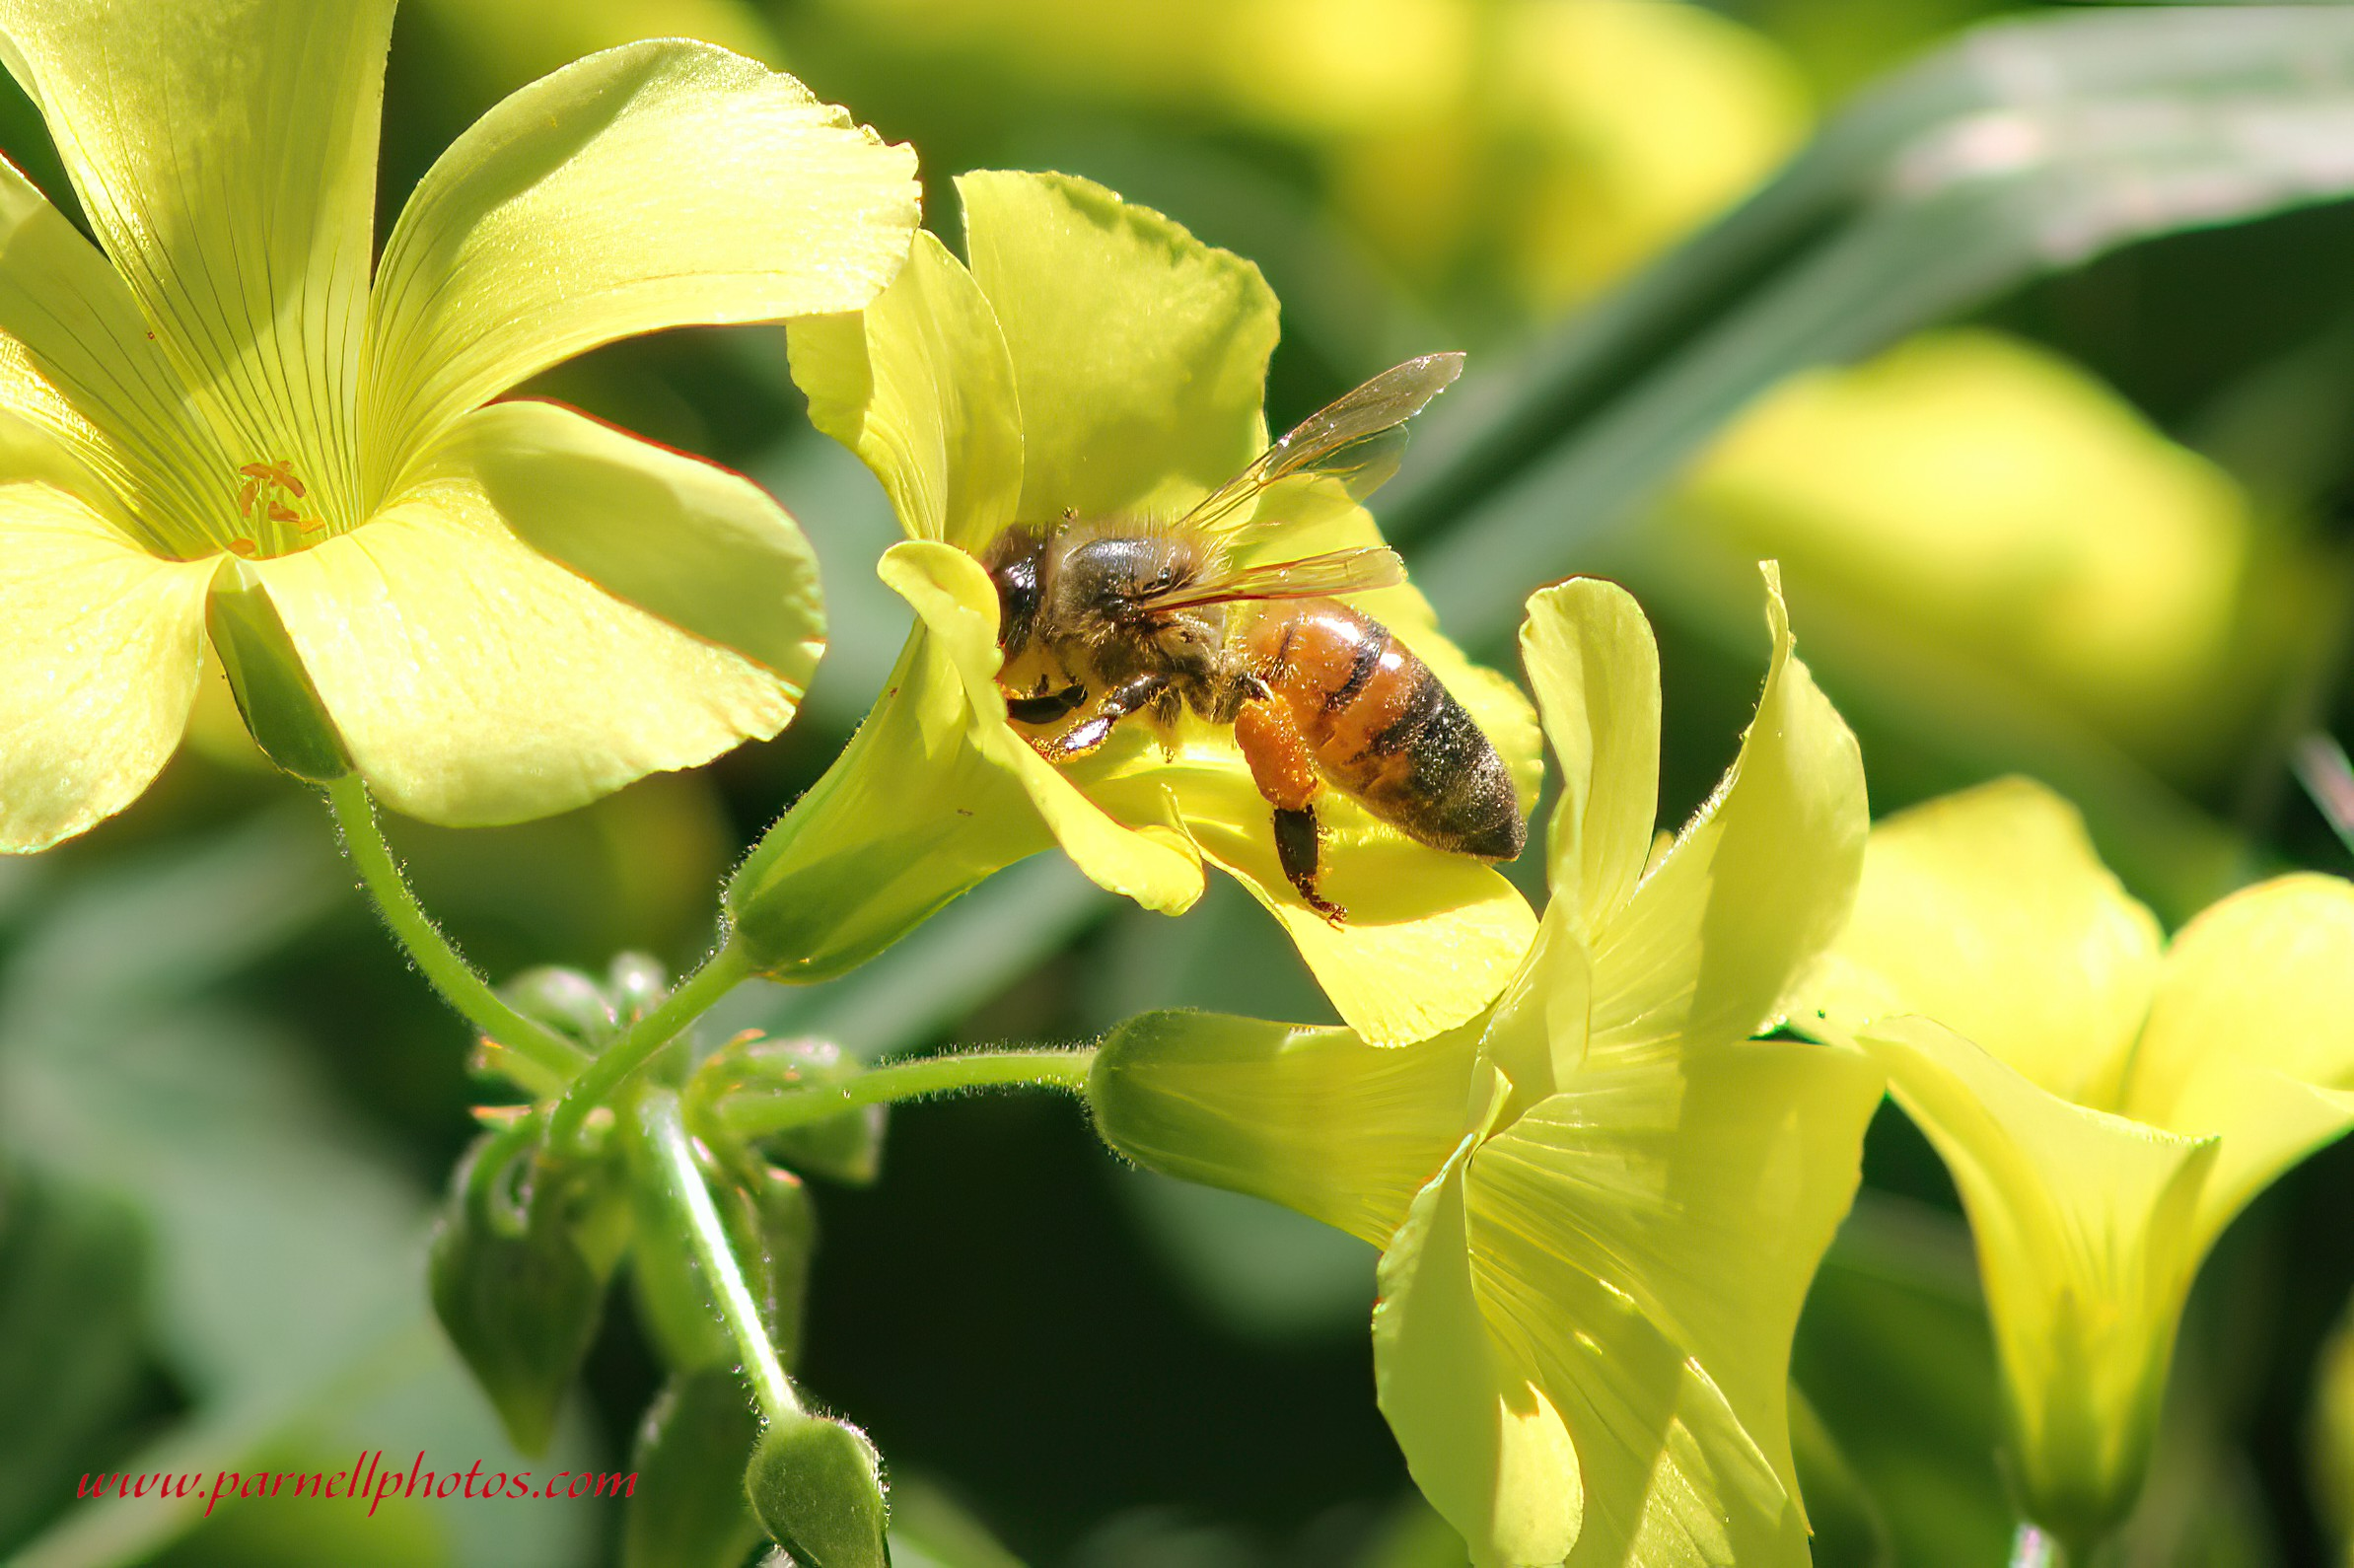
(442,966)
(753,1115)
(693,997)
(689,1200)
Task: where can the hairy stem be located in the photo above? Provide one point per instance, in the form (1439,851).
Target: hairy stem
(754,1114)
(442,966)
(693,997)
(682,1192)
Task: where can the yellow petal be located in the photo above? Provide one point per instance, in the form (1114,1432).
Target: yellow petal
(98,648)
(658,184)
(700,547)
(1704,1189)
(81,369)
(1754,887)
(1595,668)
(225,156)
(1139,353)
(1990,912)
(1484,1445)
(1431,937)
(2251,1035)
(919,386)
(2087,1244)
(1312,1118)
(475,680)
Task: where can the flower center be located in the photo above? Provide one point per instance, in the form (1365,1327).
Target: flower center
(272,501)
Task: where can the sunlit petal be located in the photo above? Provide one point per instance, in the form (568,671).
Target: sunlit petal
(2251,1035)
(2086,1244)
(475,680)
(1989,911)
(98,649)
(1595,668)
(225,156)
(1755,885)
(919,386)
(82,368)
(1139,353)
(705,549)
(658,184)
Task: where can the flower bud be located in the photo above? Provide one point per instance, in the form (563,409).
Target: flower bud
(817,1485)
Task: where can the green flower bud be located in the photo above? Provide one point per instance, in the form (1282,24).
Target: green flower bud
(817,1485)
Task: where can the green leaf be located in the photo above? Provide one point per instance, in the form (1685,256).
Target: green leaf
(511,1282)
(689,1510)
(818,1488)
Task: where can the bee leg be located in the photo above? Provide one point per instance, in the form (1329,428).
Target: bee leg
(1295,840)
(1093,731)
(1287,774)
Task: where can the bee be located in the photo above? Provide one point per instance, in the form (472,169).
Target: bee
(1101,618)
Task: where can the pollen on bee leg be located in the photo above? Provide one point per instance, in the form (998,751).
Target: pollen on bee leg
(1281,764)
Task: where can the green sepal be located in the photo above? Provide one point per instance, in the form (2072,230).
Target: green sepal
(282,707)
(519,1265)
(689,1511)
(816,1486)
(847,1148)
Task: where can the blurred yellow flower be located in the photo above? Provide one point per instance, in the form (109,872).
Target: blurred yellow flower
(505,610)
(1601,1202)
(1992,496)
(1095,360)
(1510,153)
(2106,1102)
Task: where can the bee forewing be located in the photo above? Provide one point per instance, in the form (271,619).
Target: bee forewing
(1355,439)
(1352,571)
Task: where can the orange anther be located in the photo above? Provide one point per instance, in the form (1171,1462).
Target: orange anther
(245,497)
(245,547)
(282,513)
(309,525)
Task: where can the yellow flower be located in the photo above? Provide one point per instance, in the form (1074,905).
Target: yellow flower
(1095,359)
(505,610)
(2106,1102)
(1590,1282)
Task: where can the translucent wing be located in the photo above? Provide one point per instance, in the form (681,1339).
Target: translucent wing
(1310,577)
(1355,441)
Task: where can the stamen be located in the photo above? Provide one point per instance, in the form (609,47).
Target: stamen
(245,547)
(245,497)
(259,498)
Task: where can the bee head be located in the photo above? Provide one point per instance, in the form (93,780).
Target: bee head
(1011,561)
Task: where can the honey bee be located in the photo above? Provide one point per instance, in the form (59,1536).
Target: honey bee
(1102,619)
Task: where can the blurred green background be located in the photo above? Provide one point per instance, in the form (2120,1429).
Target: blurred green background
(2038,374)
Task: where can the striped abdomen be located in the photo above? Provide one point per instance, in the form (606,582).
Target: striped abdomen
(1384,729)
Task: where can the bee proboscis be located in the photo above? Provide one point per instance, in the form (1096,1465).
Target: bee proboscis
(1101,618)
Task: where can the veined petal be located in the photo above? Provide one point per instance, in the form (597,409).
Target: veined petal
(2251,1035)
(919,386)
(1989,911)
(564,218)
(226,155)
(1755,887)
(1152,863)
(1139,353)
(84,370)
(1483,1443)
(475,680)
(1704,1189)
(1594,664)
(98,649)
(1431,937)
(702,548)
(2084,1223)
(1312,1118)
